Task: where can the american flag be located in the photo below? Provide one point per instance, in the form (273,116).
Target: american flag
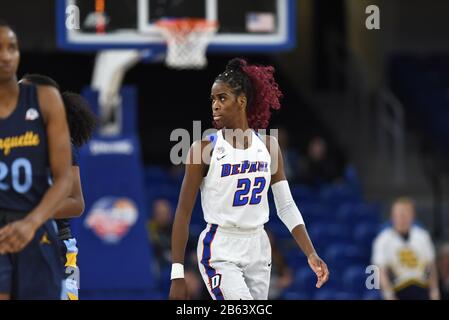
(260,22)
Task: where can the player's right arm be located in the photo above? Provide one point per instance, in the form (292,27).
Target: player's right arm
(194,172)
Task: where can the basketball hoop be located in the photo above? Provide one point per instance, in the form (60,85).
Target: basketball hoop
(187,41)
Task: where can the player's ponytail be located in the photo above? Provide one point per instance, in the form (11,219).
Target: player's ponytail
(81,120)
(258,85)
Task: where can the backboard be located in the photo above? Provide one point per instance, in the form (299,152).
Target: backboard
(244,25)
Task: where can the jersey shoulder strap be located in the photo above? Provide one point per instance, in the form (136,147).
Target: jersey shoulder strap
(213,139)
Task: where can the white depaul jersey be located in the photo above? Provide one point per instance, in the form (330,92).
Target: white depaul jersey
(234,192)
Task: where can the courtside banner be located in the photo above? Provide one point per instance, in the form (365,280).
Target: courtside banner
(114,251)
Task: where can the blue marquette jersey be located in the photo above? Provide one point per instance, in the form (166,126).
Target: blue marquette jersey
(24,163)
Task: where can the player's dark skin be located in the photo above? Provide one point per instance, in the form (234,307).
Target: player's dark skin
(16,235)
(229,111)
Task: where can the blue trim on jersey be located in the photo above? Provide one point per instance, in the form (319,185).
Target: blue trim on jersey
(258,135)
(213,139)
(205,260)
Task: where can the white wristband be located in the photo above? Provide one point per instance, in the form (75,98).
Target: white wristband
(177,271)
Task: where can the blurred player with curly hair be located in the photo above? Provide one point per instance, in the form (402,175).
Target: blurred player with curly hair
(81,123)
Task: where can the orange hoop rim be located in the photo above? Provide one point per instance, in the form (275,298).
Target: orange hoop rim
(187,24)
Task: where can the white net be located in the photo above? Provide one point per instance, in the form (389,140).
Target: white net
(187,41)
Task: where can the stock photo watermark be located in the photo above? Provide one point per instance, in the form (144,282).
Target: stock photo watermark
(372,22)
(72,18)
(372,281)
(186,152)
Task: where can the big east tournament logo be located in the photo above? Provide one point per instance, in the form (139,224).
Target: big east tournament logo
(111,218)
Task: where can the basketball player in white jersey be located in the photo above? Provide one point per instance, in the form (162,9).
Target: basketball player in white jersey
(234,253)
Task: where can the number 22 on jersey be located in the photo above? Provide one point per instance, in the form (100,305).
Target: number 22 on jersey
(242,196)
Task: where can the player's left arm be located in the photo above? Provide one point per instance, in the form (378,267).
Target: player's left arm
(289,214)
(73,205)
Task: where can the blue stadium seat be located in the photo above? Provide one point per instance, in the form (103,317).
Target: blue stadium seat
(278,229)
(325,294)
(164,282)
(314,212)
(324,236)
(358,254)
(374,294)
(364,234)
(336,194)
(121,295)
(166,190)
(367,212)
(351,178)
(343,295)
(331,233)
(156,175)
(352,213)
(340,256)
(295,258)
(339,232)
(294,295)
(305,279)
(344,212)
(303,193)
(354,279)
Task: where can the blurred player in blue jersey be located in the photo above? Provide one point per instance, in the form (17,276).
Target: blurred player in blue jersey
(81,125)
(34,137)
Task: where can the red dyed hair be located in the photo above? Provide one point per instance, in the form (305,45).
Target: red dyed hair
(258,84)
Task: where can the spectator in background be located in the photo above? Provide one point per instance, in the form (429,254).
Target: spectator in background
(318,167)
(195,288)
(194,285)
(159,231)
(405,256)
(289,153)
(177,173)
(443,268)
(281,274)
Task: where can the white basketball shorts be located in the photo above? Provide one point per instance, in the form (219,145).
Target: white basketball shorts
(235,264)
